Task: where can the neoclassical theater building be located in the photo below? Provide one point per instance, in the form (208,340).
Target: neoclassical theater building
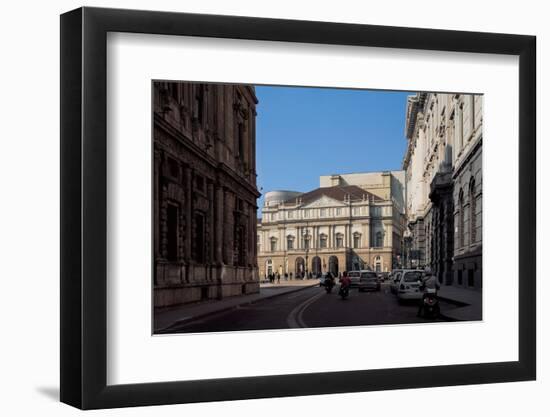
(204,192)
(351,222)
(443,165)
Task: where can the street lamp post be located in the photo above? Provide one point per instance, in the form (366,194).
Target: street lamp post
(285,243)
(306,247)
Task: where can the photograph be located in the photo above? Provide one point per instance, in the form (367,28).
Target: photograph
(285,207)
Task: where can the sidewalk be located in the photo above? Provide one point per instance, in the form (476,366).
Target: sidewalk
(168,317)
(290,283)
(467,302)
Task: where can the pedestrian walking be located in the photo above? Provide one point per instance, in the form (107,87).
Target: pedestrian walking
(278,278)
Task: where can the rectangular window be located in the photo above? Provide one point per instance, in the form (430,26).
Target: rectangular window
(173,168)
(306,213)
(290,214)
(199,104)
(273,245)
(290,244)
(322,212)
(470,277)
(172,238)
(199,183)
(323,241)
(240,143)
(240,249)
(356,241)
(173,87)
(338,211)
(199,238)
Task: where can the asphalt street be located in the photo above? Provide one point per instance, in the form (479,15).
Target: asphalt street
(307,308)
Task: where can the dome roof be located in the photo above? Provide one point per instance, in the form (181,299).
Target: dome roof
(273,198)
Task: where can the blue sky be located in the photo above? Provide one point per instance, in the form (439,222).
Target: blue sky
(303,133)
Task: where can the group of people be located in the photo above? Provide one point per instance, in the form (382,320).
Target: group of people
(276,277)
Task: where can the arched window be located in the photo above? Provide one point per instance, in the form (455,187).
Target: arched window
(472,191)
(460,219)
(378,264)
(269,267)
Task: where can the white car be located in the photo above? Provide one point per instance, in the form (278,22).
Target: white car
(395,277)
(408,285)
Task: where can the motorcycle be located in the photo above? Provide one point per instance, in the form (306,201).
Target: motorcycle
(344,292)
(430,305)
(329,285)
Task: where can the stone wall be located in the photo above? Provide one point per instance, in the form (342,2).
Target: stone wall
(204,192)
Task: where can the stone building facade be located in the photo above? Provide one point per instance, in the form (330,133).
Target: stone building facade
(204,192)
(351,222)
(443,175)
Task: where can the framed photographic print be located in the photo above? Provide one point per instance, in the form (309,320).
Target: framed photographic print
(245,200)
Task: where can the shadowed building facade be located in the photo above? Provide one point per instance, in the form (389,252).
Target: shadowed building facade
(351,222)
(205,193)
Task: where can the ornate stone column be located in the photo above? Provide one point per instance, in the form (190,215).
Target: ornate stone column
(210,238)
(218,224)
(228,228)
(157,203)
(188,192)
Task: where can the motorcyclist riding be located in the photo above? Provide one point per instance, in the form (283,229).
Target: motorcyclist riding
(329,282)
(345,281)
(345,284)
(428,286)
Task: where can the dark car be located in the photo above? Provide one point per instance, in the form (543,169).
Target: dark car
(369,281)
(383,276)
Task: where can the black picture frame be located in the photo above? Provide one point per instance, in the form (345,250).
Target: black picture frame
(84,207)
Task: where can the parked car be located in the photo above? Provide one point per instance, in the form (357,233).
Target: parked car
(409,284)
(369,280)
(394,280)
(383,276)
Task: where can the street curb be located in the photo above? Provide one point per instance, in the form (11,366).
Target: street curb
(224,309)
(453,301)
(458,304)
